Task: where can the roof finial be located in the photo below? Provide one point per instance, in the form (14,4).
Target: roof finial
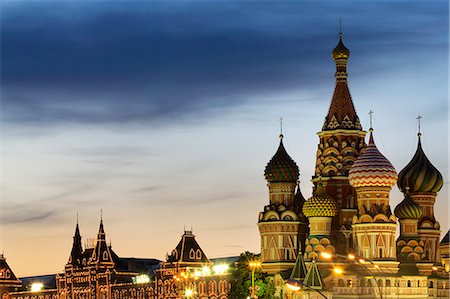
(340,28)
(101,215)
(418,124)
(370,117)
(281,128)
(77,218)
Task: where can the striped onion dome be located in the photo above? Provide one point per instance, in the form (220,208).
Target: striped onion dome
(372,169)
(420,175)
(408,209)
(281,168)
(320,204)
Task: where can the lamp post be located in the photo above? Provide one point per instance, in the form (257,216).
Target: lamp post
(253,265)
(297,285)
(358,261)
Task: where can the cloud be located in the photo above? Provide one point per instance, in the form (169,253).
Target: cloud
(92,63)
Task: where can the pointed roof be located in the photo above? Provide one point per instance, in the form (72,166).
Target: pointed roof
(446,238)
(188,250)
(7,276)
(342,113)
(76,255)
(420,175)
(299,270)
(101,254)
(281,168)
(313,278)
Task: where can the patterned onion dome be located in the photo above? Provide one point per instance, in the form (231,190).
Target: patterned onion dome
(372,169)
(281,168)
(420,175)
(340,51)
(320,204)
(408,209)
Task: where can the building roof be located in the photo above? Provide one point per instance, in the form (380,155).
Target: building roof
(313,278)
(299,270)
(7,276)
(188,250)
(420,175)
(446,238)
(281,168)
(372,169)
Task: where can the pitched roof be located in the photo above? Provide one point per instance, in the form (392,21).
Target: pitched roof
(313,278)
(7,276)
(188,250)
(299,271)
(446,239)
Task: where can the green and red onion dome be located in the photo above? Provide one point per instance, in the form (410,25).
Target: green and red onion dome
(408,209)
(340,51)
(420,175)
(372,169)
(281,168)
(320,204)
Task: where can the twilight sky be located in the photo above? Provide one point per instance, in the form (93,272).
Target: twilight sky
(164,114)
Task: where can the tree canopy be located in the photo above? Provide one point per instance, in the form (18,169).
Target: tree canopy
(241,279)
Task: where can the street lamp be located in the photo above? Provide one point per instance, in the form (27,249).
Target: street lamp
(297,285)
(253,265)
(359,261)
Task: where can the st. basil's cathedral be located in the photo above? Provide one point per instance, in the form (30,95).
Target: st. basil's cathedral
(347,225)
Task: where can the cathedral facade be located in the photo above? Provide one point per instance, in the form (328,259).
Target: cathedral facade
(346,232)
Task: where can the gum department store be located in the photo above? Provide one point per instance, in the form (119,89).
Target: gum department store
(348,217)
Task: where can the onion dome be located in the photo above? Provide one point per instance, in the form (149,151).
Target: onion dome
(281,168)
(420,175)
(408,209)
(372,169)
(340,51)
(320,204)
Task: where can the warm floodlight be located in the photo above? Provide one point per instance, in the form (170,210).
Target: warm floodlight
(351,256)
(36,287)
(220,269)
(326,255)
(294,284)
(188,292)
(143,278)
(338,270)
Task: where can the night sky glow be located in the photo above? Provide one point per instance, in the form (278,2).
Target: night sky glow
(164,114)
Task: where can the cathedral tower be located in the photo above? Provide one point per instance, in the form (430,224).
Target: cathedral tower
(320,210)
(340,143)
(281,225)
(409,245)
(424,181)
(374,226)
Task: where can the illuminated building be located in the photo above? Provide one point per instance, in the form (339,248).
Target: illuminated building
(351,250)
(98,272)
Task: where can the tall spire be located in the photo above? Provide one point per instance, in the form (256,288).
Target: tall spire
(342,113)
(77,250)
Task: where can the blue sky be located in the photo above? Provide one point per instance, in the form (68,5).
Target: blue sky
(164,114)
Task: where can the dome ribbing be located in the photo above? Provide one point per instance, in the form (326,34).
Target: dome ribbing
(281,168)
(372,169)
(420,175)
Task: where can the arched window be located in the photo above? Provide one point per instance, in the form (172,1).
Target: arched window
(105,255)
(362,283)
(341,282)
(349,283)
(369,283)
(431,285)
(192,254)
(409,283)
(388,283)
(380,282)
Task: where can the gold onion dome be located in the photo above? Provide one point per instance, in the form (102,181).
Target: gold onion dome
(281,168)
(420,175)
(340,51)
(320,204)
(372,169)
(408,209)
